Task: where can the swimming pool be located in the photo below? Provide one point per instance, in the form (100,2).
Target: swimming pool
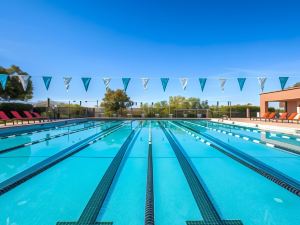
(149,172)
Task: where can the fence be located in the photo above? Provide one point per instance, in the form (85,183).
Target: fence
(65,110)
(80,112)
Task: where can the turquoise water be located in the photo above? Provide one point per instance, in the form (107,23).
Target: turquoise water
(281,160)
(238,192)
(61,192)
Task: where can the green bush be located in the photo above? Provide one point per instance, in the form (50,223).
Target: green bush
(7,107)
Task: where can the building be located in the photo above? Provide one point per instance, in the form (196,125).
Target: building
(289,99)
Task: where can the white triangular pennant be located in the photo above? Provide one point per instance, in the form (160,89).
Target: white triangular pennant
(262,81)
(184,82)
(67,81)
(145,82)
(24,79)
(106,81)
(14,74)
(222,83)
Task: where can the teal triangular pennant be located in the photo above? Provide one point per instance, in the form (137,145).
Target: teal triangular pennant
(241,82)
(86,82)
(283,81)
(125,82)
(202,82)
(47,81)
(3,80)
(164,82)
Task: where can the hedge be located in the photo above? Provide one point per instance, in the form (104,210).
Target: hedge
(7,107)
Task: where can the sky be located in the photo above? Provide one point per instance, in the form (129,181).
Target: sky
(154,39)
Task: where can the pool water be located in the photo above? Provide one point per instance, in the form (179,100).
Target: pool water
(165,172)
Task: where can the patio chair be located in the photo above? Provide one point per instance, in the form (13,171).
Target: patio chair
(18,117)
(292,116)
(271,116)
(4,118)
(297,118)
(282,117)
(264,116)
(29,116)
(38,116)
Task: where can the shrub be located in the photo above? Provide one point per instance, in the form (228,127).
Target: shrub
(7,107)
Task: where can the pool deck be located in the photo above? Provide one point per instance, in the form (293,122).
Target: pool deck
(289,128)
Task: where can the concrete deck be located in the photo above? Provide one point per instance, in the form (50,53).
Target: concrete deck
(289,128)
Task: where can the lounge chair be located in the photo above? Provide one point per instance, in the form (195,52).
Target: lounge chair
(38,116)
(271,116)
(18,117)
(282,117)
(292,116)
(297,118)
(29,116)
(4,118)
(265,116)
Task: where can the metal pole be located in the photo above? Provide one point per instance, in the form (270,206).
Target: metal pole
(230,109)
(69,109)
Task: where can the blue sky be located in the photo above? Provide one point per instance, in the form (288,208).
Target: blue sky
(152,39)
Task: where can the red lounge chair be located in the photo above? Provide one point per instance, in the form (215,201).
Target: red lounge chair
(19,117)
(292,116)
(4,118)
(265,116)
(38,116)
(29,116)
(271,116)
(283,117)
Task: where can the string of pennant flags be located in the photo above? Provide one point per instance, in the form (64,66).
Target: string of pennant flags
(24,79)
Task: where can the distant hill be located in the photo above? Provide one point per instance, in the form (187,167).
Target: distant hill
(297,84)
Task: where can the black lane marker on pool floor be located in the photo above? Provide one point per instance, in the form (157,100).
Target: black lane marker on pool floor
(261,168)
(240,136)
(38,168)
(49,138)
(95,203)
(41,129)
(149,207)
(208,211)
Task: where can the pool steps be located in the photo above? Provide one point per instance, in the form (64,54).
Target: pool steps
(149,206)
(205,204)
(36,169)
(270,173)
(95,203)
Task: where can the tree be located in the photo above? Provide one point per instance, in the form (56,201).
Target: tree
(297,84)
(14,89)
(115,101)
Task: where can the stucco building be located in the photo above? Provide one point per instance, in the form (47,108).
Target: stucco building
(289,99)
